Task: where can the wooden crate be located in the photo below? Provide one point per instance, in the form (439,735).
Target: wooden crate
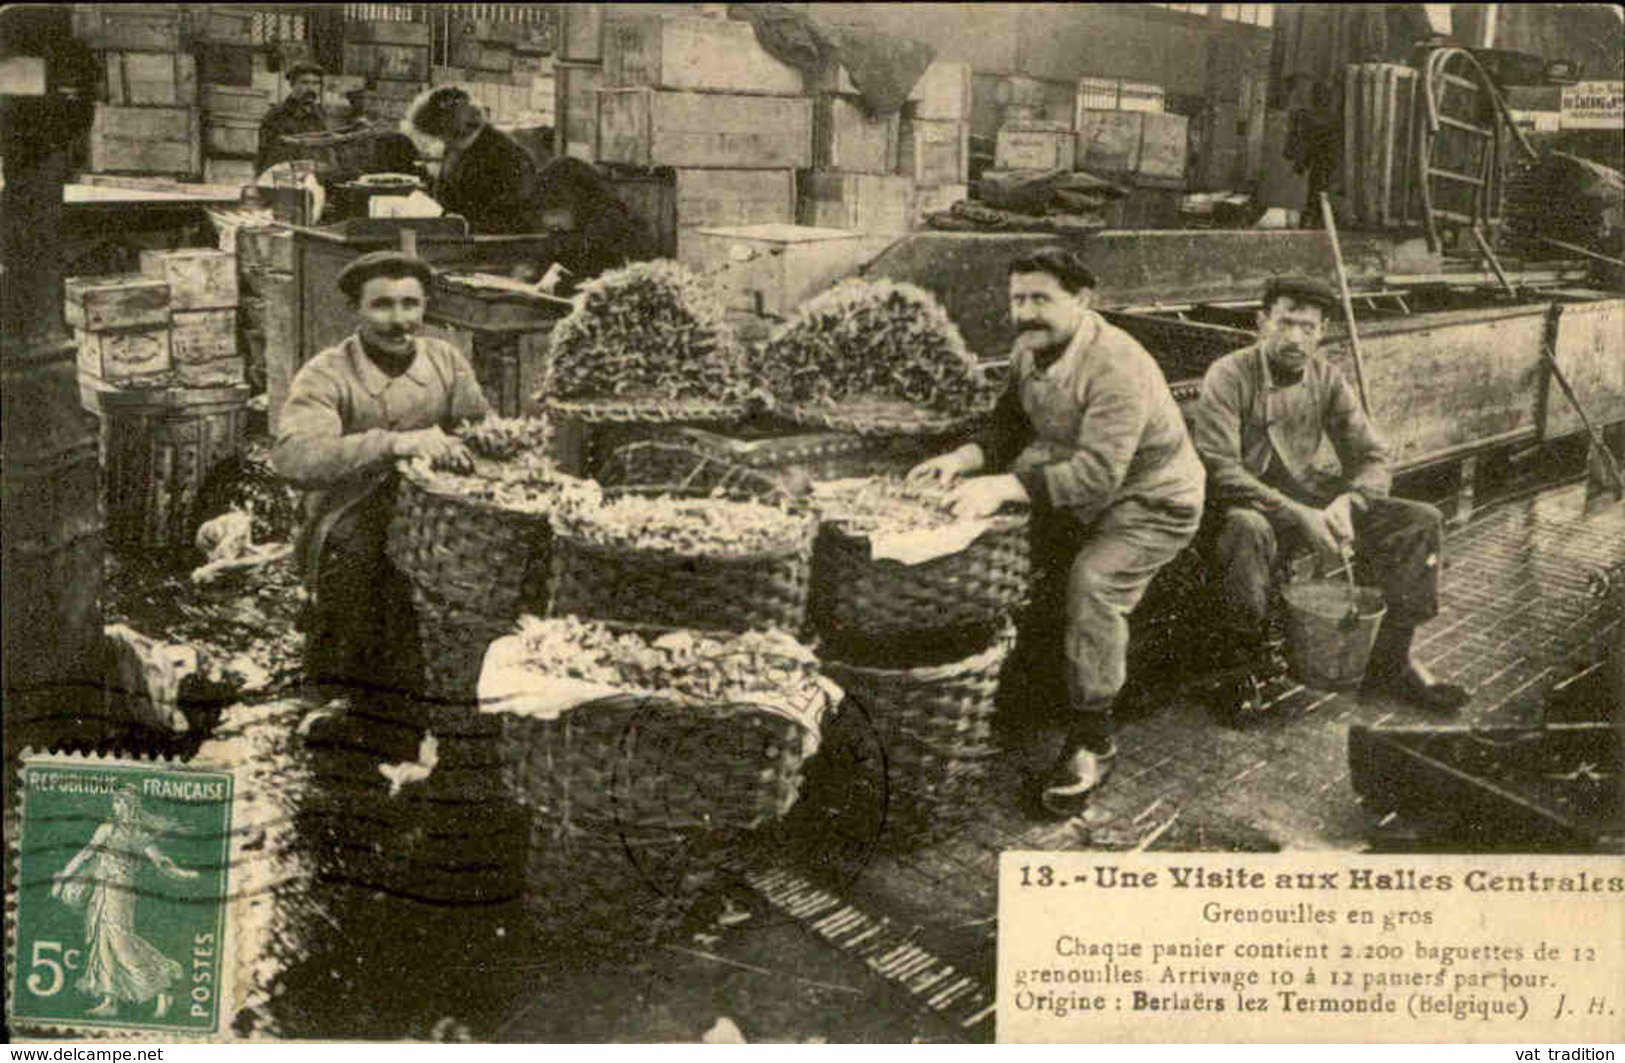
(649,127)
(1035,146)
(1109,142)
(395,62)
(160,445)
(146,140)
(413,34)
(228,64)
(199,278)
(846,138)
(937,198)
(281,324)
(713,198)
(697,55)
(475,54)
(221,23)
(232,138)
(934,153)
(868,203)
(122,301)
(150,79)
(129,27)
(575,113)
(1164,144)
(124,357)
(943,93)
(230,101)
(771,269)
(653,198)
(228,172)
(581,33)
(203,346)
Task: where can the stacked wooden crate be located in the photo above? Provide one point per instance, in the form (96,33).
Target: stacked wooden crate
(935,131)
(232,105)
(578,74)
(147,119)
(392,57)
(1135,140)
(121,326)
(270,309)
(203,314)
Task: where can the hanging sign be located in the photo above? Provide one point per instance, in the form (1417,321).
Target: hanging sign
(1594,105)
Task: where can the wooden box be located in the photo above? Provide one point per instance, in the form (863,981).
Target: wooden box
(129,27)
(395,62)
(145,140)
(771,269)
(581,33)
(198,278)
(123,301)
(934,153)
(1035,146)
(229,64)
(232,137)
(1109,142)
(230,101)
(203,348)
(867,203)
(942,93)
(653,198)
(509,34)
(937,198)
(713,198)
(575,114)
(228,172)
(846,138)
(413,34)
(698,55)
(648,127)
(150,79)
(1163,147)
(475,54)
(161,444)
(281,323)
(221,23)
(124,356)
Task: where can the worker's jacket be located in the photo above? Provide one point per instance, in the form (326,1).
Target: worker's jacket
(1096,427)
(492,183)
(292,116)
(1264,443)
(334,438)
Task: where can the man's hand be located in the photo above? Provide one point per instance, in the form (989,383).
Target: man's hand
(556,274)
(946,468)
(443,451)
(1316,530)
(1340,518)
(981,496)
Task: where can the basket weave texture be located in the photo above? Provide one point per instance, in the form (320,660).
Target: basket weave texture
(470,553)
(894,419)
(757,591)
(454,639)
(854,595)
(936,726)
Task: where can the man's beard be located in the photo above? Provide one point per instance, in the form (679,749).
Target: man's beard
(1041,338)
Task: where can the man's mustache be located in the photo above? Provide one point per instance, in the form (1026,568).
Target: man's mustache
(1032,326)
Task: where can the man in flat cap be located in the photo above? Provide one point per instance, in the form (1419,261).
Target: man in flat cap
(382,394)
(301,112)
(1261,425)
(485,175)
(1088,433)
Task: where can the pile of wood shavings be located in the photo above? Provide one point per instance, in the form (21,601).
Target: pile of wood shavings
(690,527)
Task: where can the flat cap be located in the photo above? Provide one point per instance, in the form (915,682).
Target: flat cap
(382,264)
(1310,290)
(305,66)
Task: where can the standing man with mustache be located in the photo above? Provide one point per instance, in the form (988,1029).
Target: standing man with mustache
(301,112)
(1260,425)
(1093,439)
(383,393)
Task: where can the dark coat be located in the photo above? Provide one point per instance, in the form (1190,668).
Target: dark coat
(608,233)
(493,185)
(290,117)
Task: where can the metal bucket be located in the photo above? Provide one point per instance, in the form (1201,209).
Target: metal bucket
(1330,629)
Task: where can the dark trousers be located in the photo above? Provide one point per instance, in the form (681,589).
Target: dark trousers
(363,629)
(1396,548)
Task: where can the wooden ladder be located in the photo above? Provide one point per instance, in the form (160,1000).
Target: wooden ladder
(1460,166)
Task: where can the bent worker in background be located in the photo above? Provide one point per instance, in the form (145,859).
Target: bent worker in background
(382,394)
(1090,435)
(485,175)
(1264,413)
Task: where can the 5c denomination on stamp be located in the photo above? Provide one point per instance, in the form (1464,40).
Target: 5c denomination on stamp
(122,896)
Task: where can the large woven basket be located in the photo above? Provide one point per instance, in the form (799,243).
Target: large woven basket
(935,725)
(855,596)
(881,417)
(472,554)
(454,639)
(754,591)
(588,431)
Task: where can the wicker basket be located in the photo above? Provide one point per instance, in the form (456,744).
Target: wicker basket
(855,596)
(454,640)
(743,592)
(588,431)
(881,417)
(472,554)
(935,725)
(338,156)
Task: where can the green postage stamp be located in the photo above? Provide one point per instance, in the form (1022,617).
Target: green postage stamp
(122,895)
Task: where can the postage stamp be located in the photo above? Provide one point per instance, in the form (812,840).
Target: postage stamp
(122,896)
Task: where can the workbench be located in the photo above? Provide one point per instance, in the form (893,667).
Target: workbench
(104,228)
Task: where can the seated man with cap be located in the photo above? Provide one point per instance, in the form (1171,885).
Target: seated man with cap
(381,394)
(1261,423)
(301,112)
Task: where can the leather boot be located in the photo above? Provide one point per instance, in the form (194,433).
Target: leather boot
(1086,760)
(1393,672)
